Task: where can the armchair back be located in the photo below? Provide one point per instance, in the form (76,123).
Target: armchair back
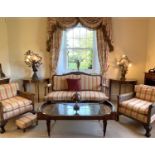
(145,92)
(8,90)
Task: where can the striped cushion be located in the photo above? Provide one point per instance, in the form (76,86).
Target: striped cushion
(85,95)
(145,92)
(136,105)
(92,96)
(26,120)
(14,103)
(17,112)
(88,82)
(133,114)
(60,95)
(8,90)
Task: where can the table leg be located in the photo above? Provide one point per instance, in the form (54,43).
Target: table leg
(24,86)
(120,88)
(48,123)
(38,91)
(110,85)
(104,127)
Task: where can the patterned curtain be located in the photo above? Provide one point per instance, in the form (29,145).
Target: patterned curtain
(101,24)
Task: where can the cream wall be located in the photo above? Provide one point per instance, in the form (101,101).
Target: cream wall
(129,35)
(27,34)
(150,61)
(4,55)
(130,38)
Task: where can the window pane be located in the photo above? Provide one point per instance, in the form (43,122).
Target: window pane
(83,56)
(79,45)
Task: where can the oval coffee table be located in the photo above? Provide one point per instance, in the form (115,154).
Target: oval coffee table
(87,111)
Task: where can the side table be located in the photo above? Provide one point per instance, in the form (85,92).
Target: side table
(120,82)
(36,83)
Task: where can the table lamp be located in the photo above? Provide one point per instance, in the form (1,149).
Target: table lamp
(33,60)
(123,64)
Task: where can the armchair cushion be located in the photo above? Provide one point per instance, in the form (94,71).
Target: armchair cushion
(14,103)
(133,114)
(16,112)
(136,105)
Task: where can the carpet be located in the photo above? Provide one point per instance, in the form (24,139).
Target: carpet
(125,128)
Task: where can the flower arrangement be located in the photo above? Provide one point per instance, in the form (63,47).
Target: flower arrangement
(123,64)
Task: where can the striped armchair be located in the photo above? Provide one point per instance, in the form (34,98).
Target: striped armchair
(139,105)
(13,103)
(92,88)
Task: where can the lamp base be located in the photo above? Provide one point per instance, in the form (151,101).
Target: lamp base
(35,77)
(122,78)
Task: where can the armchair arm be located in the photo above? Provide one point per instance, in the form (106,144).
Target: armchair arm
(152,109)
(27,95)
(126,96)
(47,88)
(104,88)
(151,112)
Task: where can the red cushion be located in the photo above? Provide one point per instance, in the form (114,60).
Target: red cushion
(74,84)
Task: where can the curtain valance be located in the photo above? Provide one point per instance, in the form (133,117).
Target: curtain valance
(102,23)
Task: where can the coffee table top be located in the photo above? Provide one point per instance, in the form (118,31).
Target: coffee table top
(85,109)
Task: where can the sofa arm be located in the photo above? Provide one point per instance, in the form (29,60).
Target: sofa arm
(47,88)
(27,95)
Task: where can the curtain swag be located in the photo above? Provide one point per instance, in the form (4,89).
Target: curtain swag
(95,23)
(102,25)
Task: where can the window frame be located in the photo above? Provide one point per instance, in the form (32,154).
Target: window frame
(94,50)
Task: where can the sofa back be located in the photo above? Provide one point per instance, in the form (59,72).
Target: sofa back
(145,92)
(88,81)
(8,90)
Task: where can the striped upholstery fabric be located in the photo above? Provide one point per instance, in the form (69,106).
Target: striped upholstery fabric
(136,105)
(26,120)
(17,112)
(133,114)
(67,95)
(8,90)
(60,95)
(145,92)
(92,96)
(14,103)
(88,82)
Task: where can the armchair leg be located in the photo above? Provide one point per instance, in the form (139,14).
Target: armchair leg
(148,129)
(117,117)
(2,126)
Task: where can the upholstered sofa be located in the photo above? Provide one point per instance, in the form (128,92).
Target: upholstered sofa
(93,88)
(13,103)
(139,105)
